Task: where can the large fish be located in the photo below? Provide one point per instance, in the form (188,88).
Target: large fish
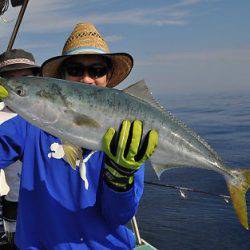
(81,114)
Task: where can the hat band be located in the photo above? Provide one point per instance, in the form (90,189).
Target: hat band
(82,50)
(16,61)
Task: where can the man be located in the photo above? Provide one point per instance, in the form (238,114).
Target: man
(13,63)
(61,208)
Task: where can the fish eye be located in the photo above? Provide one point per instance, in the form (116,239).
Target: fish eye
(20,91)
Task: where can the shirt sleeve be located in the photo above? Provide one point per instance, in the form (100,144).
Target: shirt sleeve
(12,140)
(118,208)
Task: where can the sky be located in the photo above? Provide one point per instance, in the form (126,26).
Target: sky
(179,46)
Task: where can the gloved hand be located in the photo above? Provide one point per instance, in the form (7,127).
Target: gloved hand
(3,92)
(126,152)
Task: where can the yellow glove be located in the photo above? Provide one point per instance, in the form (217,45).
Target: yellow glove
(126,152)
(3,92)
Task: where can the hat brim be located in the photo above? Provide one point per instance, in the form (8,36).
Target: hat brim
(19,66)
(122,63)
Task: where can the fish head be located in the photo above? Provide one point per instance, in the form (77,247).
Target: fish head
(33,98)
(45,102)
(12,89)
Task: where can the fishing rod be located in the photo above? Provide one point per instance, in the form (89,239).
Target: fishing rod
(182,190)
(15,3)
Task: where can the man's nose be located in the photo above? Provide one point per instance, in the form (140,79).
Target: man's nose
(87,79)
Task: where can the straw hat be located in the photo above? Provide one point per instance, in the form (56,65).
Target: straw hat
(86,40)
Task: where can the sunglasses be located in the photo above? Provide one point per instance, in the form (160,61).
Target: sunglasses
(95,70)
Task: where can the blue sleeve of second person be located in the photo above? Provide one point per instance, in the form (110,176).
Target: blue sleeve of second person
(12,140)
(118,208)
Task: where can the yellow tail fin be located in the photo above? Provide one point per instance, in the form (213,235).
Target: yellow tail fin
(238,189)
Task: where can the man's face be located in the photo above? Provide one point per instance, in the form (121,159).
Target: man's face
(18,73)
(90,70)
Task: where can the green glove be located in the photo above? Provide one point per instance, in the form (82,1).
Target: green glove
(3,92)
(126,152)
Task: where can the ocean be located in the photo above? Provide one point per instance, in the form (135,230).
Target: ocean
(199,221)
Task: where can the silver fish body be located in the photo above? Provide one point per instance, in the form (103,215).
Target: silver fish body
(81,114)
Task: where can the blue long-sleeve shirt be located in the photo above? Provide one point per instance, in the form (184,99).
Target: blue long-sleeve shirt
(62,208)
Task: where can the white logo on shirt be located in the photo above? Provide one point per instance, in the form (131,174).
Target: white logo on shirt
(58,153)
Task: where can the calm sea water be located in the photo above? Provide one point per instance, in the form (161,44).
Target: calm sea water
(200,221)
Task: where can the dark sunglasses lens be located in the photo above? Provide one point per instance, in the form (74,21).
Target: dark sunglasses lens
(74,70)
(97,71)
(94,71)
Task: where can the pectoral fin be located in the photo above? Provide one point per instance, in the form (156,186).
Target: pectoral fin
(72,154)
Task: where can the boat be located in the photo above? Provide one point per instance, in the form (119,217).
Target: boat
(141,244)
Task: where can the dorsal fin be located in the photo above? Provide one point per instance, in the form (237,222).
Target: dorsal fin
(141,91)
